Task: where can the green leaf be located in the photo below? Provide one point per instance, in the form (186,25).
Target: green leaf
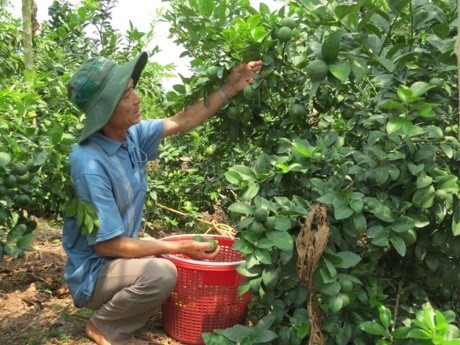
(263,163)
(388,64)
(415,169)
(420,87)
(281,239)
(340,70)
(398,244)
(456,216)
(15,233)
(390,104)
(418,334)
(383,212)
(402,224)
(327,198)
(241,208)
(282,223)
(238,333)
(266,322)
(246,173)
(233,177)
(264,336)
(258,34)
(25,241)
(385,316)
(341,209)
(56,133)
(360,223)
(71,208)
(423,181)
(331,47)
(251,191)
(270,276)
(348,259)
(215,339)
(397,123)
(263,256)
(331,289)
(423,198)
(372,327)
(12,251)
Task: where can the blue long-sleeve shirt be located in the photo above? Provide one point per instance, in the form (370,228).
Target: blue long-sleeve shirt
(112,177)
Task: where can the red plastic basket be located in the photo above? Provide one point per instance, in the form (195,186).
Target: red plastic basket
(206,293)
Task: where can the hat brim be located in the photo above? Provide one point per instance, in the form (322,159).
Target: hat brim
(110,94)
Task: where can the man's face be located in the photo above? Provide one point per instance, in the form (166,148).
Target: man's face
(127,112)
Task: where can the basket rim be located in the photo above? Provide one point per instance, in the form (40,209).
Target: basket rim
(200,262)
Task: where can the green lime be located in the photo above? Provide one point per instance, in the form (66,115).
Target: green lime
(31,167)
(346,285)
(256,227)
(213,242)
(249,92)
(31,225)
(317,70)
(11,181)
(347,112)
(25,178)
(284,34)
(210,150)
(246,116)
(435,81)
(445,294)
(345,299)
(22,200)
(19,168)
(335,304)
(269,224)
(260,214)
(289,22)
(297,112)
(198,238)
(441,194)
(233,113)
(409,237)
(212,71)
(3,190)
(4,159)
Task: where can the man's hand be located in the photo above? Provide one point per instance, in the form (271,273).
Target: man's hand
(240,77)
(197,250)
(194,115)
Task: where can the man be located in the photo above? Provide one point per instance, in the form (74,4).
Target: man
(113,272)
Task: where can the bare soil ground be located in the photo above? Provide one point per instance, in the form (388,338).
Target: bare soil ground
(35,305)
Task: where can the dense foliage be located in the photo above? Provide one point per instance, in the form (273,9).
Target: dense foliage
(38,125)
(350,111)
(356,110)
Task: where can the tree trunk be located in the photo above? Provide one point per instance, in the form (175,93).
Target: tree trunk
(27,34)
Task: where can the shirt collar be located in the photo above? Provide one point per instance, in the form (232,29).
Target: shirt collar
(110,146)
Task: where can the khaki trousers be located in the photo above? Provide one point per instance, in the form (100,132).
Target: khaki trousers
(128,292)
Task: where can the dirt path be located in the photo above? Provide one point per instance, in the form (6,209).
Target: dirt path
(35,305)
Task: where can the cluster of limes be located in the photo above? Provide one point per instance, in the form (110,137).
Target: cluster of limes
(13,178)
(342,298)
(243,115)
(262,222)
(285,31)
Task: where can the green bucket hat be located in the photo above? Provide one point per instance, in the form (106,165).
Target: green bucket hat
(97,87)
